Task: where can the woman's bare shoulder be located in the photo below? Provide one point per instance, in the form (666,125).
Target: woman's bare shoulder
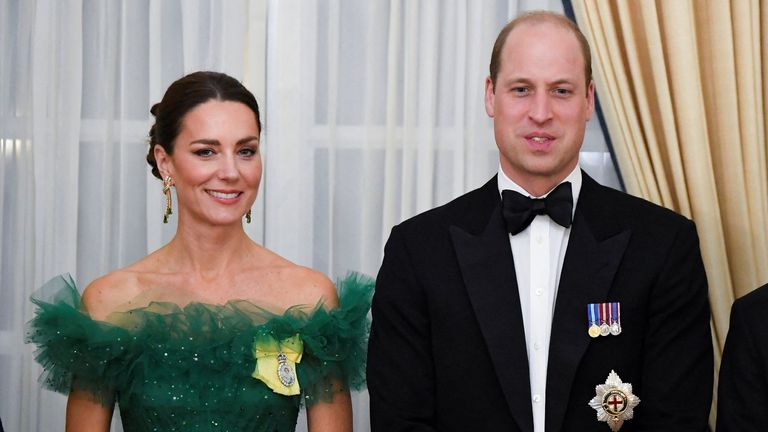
(113,290)
(311,287)
(304,285)
(105,294)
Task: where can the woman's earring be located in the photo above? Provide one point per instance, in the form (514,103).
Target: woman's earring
(167,183)
(248,216)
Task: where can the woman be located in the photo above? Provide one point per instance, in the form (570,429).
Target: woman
(211,331)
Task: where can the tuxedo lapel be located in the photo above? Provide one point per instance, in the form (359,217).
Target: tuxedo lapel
(487,267)
(594,253)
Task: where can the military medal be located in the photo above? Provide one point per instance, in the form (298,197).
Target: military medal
(615,318)
(614,402)
(604,319)
(605,329)
(285,371)
(594,330)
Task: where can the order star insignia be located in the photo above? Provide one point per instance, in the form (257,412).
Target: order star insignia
(614,401)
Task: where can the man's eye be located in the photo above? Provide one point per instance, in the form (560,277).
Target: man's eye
(562,91)
(520,90)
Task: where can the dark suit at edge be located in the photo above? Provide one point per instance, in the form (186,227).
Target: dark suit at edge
(742,397)
(447,348)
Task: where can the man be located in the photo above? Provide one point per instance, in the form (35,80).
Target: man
(743,386)
(480,316)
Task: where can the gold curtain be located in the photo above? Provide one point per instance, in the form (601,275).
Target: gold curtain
(683,86)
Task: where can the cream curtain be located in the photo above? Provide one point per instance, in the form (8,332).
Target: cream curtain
(683,85)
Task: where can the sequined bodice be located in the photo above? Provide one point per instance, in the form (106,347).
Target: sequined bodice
(201,386)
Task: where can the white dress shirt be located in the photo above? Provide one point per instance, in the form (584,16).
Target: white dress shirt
(538,252)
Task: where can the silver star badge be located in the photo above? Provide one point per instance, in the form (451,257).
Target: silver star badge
(614,402)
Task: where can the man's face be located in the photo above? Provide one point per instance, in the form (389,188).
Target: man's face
(540,105)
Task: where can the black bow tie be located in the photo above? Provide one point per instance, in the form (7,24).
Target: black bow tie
(520,210)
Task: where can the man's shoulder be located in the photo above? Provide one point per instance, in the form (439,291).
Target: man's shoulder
(606,203)
(753,305)
(470,210)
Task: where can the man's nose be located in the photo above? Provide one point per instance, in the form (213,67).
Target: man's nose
(541,108)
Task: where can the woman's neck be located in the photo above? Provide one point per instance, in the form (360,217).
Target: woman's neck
(208,251)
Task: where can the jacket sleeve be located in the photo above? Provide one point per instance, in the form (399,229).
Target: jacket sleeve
(400,366)
(677,363)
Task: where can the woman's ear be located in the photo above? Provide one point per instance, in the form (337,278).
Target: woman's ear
(164,161)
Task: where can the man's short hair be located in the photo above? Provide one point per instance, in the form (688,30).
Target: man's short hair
(540,17)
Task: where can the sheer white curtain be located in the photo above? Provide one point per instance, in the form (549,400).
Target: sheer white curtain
(373,112)
(43,42)
(76,82)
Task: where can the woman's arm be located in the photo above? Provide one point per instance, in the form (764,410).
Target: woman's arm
(333,416)
(84,414)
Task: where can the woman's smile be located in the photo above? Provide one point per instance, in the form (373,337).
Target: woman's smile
(225,196)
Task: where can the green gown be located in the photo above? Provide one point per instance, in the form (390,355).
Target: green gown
(192,368)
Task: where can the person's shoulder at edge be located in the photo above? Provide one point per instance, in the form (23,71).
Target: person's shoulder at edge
(754,303)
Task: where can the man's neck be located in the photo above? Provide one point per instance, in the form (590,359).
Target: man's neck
(537,186)
(574,176)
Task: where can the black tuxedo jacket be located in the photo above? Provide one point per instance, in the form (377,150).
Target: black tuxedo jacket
(742,398)
(447,348)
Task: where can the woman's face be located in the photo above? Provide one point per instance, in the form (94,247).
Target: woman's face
(216,165)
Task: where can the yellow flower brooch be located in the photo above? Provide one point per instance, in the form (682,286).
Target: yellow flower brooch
(276,363)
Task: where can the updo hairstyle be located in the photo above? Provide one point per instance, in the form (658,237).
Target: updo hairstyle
(184,95)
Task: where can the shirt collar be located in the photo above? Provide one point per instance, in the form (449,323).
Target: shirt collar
(574,177)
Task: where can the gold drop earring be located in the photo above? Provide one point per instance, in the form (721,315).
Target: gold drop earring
(248,216)
(167,183)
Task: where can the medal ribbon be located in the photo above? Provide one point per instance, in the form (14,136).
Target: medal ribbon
(267,352)
(611,313)
(592,313)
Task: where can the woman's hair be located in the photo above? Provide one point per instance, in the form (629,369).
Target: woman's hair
(184,95)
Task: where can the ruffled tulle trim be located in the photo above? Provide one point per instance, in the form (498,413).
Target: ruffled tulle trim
(199,342)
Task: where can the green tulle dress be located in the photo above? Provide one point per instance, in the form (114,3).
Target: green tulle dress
(194,368)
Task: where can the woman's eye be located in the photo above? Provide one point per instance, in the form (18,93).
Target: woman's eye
(247,151)
(204,152)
